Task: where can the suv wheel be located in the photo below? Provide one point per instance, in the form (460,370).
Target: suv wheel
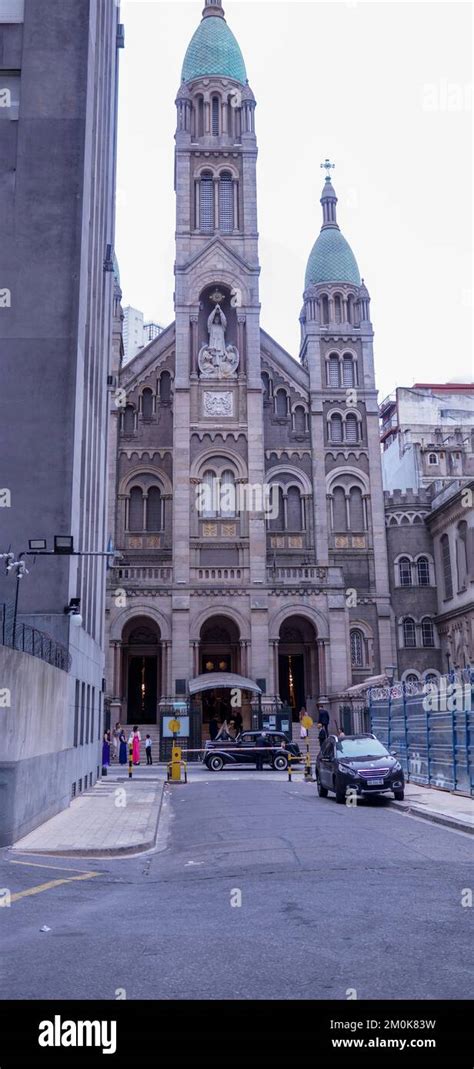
(322,791)
(216,763)
(399,796)
(280,762)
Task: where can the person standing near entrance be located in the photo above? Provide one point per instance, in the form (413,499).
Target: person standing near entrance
(303,729)
(324,719)
(322,734)
(135,739)
(115,739)
(106,749)
(149,759)
(123,756)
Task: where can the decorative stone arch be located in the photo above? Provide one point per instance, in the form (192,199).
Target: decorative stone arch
(141,607)
(206,458)
(133,478)
(360,477)
(315,617)
(301,480)
(222,276)
(197,622)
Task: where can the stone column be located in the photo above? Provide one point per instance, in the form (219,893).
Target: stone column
(193,356)
(321,643)
(276,680)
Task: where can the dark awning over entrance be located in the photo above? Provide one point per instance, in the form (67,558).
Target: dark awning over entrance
(218,680)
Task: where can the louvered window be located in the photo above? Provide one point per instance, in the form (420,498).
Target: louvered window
(333,372)
(215,116)
(206,203)
(348,371)
(336,428)
(226,203)
(352,430)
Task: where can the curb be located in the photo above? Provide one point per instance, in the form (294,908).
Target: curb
(434,817)
(119,851)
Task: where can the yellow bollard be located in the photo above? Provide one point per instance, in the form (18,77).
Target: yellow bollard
(307,765)
(130,760)
(176,763)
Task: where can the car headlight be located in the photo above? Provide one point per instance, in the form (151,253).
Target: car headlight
(397,767)
(348,771)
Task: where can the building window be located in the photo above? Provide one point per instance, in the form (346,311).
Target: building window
(215,116)
(294,510)
(409,632)
(277,523)
(281,403)
(356,509)
(461,555)
(352,429)
(427,633)
(324,309)
(339,509)
(226,203)
(338,308)
(206,203)
(135,512)
(299,420)
(333,371)
(153,509)
(348,378)
(446,565)
(433,458)
(404,571)
(357,648)
(423,571)
(227,499)
(335,428)
(147,404)
(165,387)
(411,678)
(129,419)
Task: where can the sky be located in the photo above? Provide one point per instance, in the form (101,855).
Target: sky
(382,89)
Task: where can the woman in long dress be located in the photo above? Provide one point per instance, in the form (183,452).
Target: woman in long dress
(122,748)
(136,739)
(106,750)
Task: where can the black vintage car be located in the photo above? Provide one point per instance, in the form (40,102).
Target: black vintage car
(243,751)
(360,763)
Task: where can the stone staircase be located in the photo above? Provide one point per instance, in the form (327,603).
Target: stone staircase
(312,739)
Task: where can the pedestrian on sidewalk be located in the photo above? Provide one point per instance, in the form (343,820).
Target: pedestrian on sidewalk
(149,759)
(135,739)
(322,734)
(115,739)
(324,719)
(123,756)
(106,749)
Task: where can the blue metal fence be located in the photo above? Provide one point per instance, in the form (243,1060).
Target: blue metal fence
(430,727)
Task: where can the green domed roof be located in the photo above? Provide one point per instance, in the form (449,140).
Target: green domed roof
(331,259)
(213,50)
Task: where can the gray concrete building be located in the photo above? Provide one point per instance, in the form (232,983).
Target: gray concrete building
(57,164)
(249,502)
(427,435)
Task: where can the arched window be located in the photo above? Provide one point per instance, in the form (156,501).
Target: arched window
(147,404)
(208,495)
(433,458)
(357,648)
(294,509)
(165,386)
(324,309)
(404,571)
(200,116)
(350,309)
(352,429)
(227,494)
(348,371)
(277,523)
(206,202)
(427,632)
(461,554)
(129,419)
(226,203)
(135,512)
(409,632)
(423,571)
(215,116)
(339,509)
(356,509)
(299,420)
(446,565)
(335,428)
(338,308)
(333,371)
(411,678)
(281,406)
(153,509)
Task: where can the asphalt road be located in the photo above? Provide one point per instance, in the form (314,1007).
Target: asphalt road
(331,898)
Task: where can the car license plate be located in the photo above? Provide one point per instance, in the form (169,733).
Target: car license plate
(375,782)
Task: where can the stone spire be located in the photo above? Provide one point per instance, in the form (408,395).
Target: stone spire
(328,198)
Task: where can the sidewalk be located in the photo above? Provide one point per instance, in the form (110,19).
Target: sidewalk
(117,816)
(441,807)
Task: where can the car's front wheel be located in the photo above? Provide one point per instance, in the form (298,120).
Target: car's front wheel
(340,790)
(322,791)
(399,796)
(216,763)
(280,762)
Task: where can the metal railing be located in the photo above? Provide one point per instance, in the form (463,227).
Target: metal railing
(28,639)
(430,726)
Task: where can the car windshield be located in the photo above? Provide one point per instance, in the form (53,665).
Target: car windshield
(360,748)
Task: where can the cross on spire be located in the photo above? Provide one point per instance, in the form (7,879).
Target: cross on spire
(328,166)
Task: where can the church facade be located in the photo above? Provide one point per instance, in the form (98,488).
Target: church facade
(245,482)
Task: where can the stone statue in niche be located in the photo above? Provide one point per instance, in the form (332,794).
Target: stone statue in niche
(218,360)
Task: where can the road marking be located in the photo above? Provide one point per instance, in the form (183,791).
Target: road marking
(39,865)
(51,883)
